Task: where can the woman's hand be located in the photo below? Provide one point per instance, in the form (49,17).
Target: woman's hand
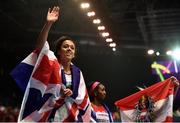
(53,14)
(176,85)
(67,92)
(175,81)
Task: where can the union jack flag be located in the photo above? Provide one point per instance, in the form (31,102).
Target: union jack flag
(41,76)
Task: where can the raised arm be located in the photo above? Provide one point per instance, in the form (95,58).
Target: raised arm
(52,16)
(176,85)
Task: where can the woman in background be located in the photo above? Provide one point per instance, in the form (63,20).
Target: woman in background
(100,111)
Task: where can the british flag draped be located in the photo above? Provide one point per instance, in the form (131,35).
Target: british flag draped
(42,95)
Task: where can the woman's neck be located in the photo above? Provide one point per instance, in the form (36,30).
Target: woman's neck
(66,66)
(97,102)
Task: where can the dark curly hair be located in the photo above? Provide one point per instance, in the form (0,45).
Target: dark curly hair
(59,42)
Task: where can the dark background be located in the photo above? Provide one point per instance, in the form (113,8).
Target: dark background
(135,26)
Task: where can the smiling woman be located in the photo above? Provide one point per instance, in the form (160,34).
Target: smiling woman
(65,51)
(56,90)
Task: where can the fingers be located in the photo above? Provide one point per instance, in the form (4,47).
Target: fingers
(67,92)
(49,10)
(55,9)
(175,81)
(173,78)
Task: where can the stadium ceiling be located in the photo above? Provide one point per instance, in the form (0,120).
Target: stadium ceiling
(135,25)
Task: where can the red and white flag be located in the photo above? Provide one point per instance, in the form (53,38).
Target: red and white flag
(153,104)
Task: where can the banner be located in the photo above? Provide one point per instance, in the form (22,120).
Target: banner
(153,104)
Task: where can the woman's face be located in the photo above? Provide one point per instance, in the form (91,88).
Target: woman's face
(101,95)
(67,50)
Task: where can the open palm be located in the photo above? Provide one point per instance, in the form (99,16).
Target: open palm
(53,14)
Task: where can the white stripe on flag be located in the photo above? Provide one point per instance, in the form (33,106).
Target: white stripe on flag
(31,59)
(163,109)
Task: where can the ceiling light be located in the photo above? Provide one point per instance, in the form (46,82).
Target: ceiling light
(85,5)
(112,44)
(101,27)
(105,34)
(109,40)
(169,52)
(157,53)
(176,54)
(150,52)
(114,49)
(90,14)
(96,21)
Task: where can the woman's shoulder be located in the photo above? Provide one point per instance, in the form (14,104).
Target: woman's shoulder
(74,67)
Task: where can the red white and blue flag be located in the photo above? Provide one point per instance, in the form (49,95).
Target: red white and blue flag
(41,75)
(22,72)
(153,104)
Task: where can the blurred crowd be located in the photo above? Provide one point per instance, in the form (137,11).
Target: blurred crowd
(8,113)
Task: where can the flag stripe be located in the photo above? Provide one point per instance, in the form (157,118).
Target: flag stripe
(22,72)
(72,114)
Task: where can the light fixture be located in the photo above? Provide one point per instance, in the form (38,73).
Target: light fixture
(90,14)
(150,51)
(101,27)
(109,40)
(85,5)
(176,54)
(169,52)
(112,44)
(105,34)
(96,21)
(157,53)
(114,49)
